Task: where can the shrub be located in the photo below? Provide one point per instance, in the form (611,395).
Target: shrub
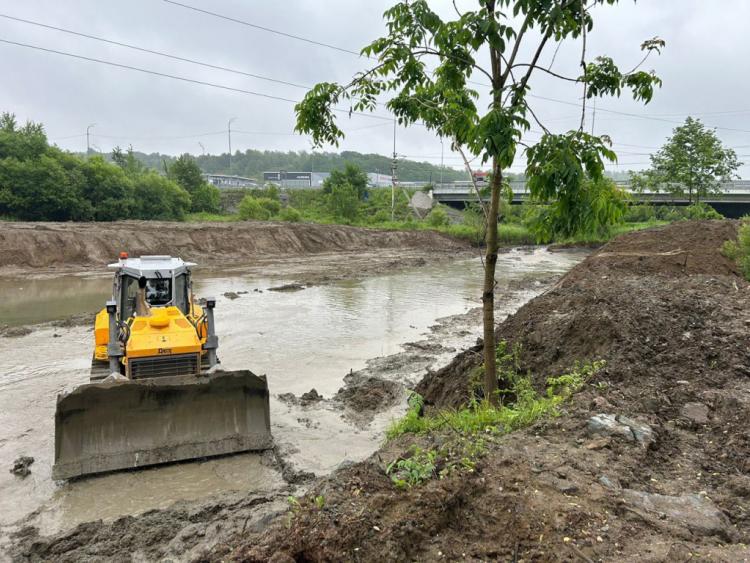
(251,208)
(290,214)
(640,213)
(438,217)
(701,211)
(343,201)
(739,250)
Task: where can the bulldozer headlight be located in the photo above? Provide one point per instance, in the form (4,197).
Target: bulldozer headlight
(210,302)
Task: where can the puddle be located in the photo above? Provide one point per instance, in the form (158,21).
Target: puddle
(300,340)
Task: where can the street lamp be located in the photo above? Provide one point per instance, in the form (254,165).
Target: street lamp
(88,142)
(229,136)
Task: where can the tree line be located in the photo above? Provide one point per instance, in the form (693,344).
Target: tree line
(252,164)
(40,182)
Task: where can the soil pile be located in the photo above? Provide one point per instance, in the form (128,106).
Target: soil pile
(649,462)
(76,245)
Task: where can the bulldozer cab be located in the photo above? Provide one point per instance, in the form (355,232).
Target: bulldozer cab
(167,282)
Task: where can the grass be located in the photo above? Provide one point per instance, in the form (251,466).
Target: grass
(482,416)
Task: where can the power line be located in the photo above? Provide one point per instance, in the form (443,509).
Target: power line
(655,117)
(182,78)
(159,53)
(263,28)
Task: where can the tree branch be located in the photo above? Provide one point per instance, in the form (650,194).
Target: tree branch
(560,76)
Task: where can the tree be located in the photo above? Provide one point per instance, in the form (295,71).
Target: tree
(351,175)
(692,162)
(589,209)
(189,177)
(427,64)
(343,201)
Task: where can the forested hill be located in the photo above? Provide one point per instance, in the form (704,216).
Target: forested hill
(253,163)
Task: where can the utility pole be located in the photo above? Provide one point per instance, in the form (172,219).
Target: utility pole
(394,169)
(203,149)
(441,162)
(593,117)
(88,139)
(229,137)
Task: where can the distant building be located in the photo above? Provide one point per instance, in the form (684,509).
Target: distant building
(225,181)
(377,180)
(295,179)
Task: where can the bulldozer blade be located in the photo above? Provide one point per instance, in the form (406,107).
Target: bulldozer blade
(127,424)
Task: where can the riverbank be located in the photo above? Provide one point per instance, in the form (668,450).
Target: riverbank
(70,247)
(647,462)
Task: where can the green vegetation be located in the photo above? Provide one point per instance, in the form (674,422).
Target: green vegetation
(186,173)
(470,428)
(424,65)
(519,404)
(252,164)
(692,162)
(739,250)
(39,182)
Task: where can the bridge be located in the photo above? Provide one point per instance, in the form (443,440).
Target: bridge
(733,201)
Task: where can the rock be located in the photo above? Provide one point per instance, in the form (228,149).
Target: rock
(612,484)
(231,295)
(697,413)
(618,425)
(312,396)
(21,466)
(287,398)
(598,443)
(287,287)
(600,403)
(422,201)
(697,513)
(14,331)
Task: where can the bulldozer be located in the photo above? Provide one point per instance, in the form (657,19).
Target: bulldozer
(157,393)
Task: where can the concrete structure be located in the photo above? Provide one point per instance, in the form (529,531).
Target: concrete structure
(286,179)
(225,181)
(377,180)
(733,202)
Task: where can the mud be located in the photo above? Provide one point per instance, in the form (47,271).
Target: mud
(669,315)
(73,246)
(313,438)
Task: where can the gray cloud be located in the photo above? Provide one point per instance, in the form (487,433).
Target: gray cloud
(703,68)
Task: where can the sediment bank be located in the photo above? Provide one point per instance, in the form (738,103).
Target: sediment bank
(72,246)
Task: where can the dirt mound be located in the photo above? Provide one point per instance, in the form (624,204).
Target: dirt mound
(647,463)
(628,303)
(53,245)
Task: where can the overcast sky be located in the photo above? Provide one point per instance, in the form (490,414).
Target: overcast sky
(704,68)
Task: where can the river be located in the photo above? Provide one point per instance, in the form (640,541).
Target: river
(300,340)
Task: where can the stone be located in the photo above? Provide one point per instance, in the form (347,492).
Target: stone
(21,466)
(422,201)
(697,513)
(697,413)
(612,484)
(312,396)
(231,295)
(618,425)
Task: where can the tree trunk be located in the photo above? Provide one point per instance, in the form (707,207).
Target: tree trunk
(488,295)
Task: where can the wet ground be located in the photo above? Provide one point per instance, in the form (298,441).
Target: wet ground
(304,339)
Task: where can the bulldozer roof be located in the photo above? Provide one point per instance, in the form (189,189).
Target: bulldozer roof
(148,265)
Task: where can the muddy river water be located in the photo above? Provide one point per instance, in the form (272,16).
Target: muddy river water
(300,340)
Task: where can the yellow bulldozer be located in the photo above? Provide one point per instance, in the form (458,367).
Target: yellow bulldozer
(157,392)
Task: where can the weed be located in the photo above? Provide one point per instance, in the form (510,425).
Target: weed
(414,470)
(739,250)
(320,502)
(524,405)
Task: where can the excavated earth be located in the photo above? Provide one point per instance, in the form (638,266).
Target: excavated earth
(648,462)
(59,247)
